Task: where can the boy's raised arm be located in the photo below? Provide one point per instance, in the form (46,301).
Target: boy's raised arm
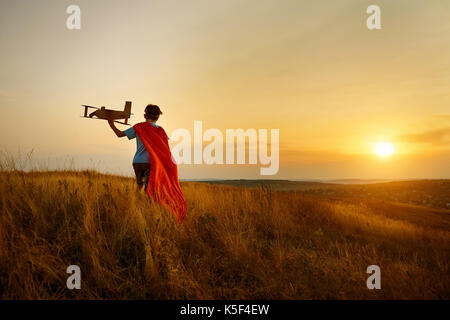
(116,131)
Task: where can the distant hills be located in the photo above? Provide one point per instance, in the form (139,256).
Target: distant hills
(334,181)
(426,193)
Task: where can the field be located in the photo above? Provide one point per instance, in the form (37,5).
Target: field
(236,242)
(427,193)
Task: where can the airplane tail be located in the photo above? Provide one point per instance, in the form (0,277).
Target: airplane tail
(127,108)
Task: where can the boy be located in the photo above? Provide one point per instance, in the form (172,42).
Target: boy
(141,161)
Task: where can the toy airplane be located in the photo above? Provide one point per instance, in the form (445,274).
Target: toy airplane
(105,114)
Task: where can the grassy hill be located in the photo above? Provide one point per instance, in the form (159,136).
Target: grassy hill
(236,243)
(428,193)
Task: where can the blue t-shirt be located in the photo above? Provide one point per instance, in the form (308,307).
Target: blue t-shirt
(141,155)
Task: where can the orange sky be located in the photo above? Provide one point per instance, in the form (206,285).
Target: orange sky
(311,69)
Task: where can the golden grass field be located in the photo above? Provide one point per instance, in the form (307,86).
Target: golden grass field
(236,243)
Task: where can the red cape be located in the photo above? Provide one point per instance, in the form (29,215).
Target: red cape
(163,184)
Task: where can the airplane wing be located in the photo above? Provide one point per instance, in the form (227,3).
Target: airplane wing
(86,107)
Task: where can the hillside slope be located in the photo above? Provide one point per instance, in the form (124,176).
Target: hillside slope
(236,243)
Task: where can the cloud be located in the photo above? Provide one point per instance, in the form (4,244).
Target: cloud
(434,137)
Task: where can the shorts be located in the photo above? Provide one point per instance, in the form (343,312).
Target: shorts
(142,171)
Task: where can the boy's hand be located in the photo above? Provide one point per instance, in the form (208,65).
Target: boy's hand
(113,127)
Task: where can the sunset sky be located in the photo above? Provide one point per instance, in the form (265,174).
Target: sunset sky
(311,69)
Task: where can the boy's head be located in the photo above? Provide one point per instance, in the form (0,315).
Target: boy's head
(152,112)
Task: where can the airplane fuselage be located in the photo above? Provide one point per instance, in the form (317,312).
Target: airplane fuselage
(108,114)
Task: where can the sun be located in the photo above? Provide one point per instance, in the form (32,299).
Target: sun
(383,149)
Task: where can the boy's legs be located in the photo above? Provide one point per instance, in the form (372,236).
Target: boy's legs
(142,172)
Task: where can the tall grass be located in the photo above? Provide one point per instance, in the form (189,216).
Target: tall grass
(235,243)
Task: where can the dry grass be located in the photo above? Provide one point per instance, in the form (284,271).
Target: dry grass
(236,243)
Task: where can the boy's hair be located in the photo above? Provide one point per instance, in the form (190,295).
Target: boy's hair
(152,112)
